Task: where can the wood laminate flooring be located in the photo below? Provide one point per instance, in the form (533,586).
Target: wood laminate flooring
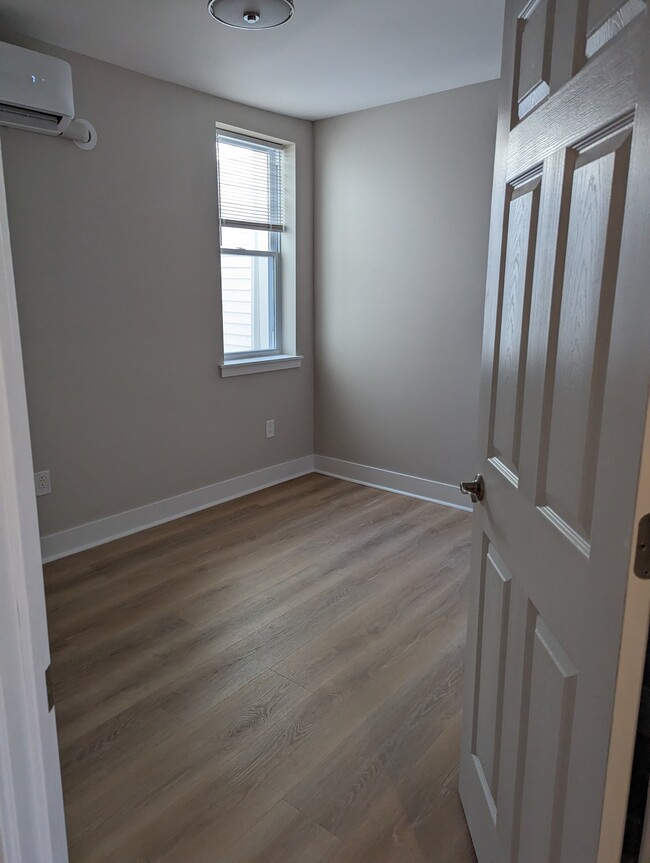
(273,680)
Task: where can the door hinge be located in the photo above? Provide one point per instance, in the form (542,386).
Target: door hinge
(48,686)
(642,556)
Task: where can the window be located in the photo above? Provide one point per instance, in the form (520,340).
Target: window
(251,216)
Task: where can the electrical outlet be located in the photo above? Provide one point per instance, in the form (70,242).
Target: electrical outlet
(42,482)
(270,428)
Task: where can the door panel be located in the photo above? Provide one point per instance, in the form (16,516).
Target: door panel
(513,342)
(565,376)
(536,40)
(583,335)
(547,718)
(606,19)
(495,613)
(601,10)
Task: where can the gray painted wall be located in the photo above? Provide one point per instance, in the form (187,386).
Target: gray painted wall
(116,263)
(401,226)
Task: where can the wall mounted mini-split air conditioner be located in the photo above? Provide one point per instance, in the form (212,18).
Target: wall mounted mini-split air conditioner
(35,91)
(36,96)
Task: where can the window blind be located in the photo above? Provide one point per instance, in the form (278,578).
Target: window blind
(250,183)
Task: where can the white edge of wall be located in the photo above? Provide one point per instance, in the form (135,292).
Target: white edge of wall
(94,533)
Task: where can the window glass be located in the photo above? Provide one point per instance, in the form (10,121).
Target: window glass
(248,303)
(245,238)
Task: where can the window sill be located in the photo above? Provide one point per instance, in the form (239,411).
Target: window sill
(255,365)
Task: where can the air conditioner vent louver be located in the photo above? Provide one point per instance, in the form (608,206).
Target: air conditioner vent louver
(20,117)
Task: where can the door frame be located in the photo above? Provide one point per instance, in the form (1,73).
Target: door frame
(629,684)
(32,824)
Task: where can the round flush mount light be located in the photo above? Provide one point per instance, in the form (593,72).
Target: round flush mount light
(251,14)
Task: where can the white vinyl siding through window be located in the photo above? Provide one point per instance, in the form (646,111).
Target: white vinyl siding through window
(251,220)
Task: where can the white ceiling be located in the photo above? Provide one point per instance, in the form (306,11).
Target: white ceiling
(332,57)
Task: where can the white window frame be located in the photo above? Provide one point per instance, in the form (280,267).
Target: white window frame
(284,356)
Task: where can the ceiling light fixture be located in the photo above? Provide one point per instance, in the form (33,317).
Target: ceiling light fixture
(251,14)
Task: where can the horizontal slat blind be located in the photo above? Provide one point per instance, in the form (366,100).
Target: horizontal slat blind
(250,183)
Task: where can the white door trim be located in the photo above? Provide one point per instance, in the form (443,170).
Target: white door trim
(32,822)
(631,665)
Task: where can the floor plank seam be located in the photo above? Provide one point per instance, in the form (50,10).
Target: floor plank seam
(233,842)
(291,680)
(311,819)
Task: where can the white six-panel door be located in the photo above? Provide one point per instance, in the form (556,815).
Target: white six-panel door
(565,373)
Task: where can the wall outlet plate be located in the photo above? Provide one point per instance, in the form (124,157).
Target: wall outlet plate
(42,482)
(270,428)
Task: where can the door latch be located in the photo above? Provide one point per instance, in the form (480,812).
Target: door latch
(642,556)
(475,489)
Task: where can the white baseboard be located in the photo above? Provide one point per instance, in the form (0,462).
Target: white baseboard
(66,542)
(94,533)
(388,480)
